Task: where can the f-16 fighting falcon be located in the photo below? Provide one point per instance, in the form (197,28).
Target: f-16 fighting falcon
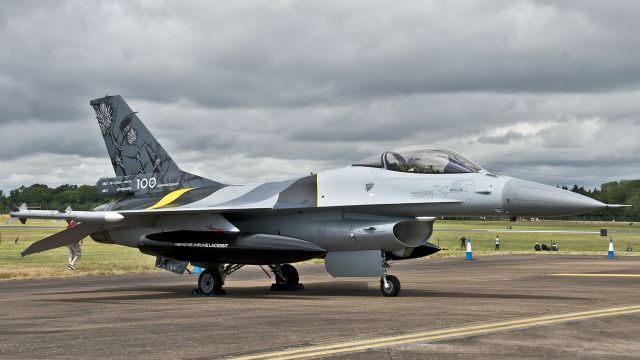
(358,218)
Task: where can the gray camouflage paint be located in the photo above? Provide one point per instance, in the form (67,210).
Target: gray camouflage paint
(356,209)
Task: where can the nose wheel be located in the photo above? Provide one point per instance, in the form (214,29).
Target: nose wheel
(389,284)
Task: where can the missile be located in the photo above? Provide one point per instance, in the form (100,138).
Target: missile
(23,214)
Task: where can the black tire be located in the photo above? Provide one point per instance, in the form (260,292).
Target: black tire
(290,276)
(393,288)
(210,282)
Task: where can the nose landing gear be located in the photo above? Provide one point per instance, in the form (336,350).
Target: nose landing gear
(389,284)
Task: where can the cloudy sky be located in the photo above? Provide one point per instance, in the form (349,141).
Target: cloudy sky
(243,91)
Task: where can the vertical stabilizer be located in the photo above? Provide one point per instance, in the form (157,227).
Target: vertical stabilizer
(132,148)
(138,160)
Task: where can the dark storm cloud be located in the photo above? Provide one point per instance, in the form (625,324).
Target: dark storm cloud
(265,88)
(69,138)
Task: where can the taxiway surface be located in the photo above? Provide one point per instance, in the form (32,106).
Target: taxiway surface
(543,305)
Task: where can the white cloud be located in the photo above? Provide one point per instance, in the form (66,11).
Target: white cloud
(264,90)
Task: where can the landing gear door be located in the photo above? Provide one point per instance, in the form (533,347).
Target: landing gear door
(365,263)
(173,265)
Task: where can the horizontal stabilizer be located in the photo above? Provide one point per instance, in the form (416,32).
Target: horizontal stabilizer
(65,237)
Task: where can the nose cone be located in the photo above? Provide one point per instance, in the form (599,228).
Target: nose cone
(521,197)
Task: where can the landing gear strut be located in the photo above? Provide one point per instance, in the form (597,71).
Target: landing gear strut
(389,284)
(286,277)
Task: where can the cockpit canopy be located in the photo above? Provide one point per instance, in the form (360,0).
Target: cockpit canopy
(422,160)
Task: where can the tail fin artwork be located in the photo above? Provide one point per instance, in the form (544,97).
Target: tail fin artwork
(141,164)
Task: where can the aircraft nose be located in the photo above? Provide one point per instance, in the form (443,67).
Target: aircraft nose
(521,197)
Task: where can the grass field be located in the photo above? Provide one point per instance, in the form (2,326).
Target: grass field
(112,259)
(568,236)
(96,258)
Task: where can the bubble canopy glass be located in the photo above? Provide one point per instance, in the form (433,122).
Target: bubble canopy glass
(422,160)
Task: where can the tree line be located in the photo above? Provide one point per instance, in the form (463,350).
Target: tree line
(625,192)
(85,197)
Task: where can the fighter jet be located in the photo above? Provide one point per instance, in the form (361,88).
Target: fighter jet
(358,218)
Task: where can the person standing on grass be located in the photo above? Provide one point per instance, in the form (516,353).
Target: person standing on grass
(497,243)
(75,252)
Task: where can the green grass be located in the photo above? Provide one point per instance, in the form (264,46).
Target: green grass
(536,225)
(113,259)
(96,258)
(447,235)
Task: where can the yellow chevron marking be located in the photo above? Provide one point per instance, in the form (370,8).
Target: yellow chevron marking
(169,198)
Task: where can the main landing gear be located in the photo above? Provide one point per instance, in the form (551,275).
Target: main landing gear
(212,278)
(389,284)
(210,283)
(286,277)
